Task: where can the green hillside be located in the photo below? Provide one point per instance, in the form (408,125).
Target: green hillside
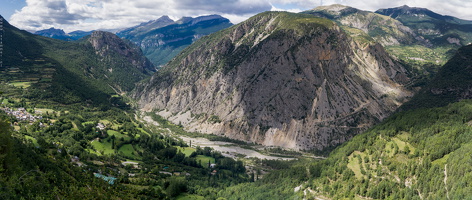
(66,72)
(452,83)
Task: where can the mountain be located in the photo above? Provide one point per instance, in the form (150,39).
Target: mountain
(435,28)
(384,30)
(71,72)
(53,33)
(144,28)
(75,35)
(163,38)
(61,35)
(106,44)
(419,153)
(417,37)
(291,80)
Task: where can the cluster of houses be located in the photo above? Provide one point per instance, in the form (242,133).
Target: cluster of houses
(100,126)
(21,114)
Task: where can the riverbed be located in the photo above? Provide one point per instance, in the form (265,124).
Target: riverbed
(229,149)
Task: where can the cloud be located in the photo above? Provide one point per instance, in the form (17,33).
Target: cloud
(115,14)
(87,15)
(38,12)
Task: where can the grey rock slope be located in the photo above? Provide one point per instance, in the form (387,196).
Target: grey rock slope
(283,79)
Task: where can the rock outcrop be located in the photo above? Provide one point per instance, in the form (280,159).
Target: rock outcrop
(290,80)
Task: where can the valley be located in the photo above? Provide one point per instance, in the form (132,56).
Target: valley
(330,103)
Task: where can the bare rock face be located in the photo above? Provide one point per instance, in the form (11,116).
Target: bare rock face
(289,80)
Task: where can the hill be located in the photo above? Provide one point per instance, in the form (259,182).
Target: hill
(283,79)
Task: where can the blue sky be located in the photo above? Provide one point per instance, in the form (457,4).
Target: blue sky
(8,7)
(71,15)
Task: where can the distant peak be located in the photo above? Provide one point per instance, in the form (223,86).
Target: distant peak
(333,7)
(164,17)
(51,32)
(408,8)
(200,19)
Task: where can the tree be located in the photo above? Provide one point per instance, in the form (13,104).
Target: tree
(176,186)
(7,160)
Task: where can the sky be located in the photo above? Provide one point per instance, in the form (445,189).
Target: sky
(86,15)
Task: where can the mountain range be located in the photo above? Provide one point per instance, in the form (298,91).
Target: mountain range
(60,34)
(159,39)
(384,95)
(162,39)
(261,78)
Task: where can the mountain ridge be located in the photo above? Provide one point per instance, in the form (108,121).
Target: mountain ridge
(61,35)
(162,39)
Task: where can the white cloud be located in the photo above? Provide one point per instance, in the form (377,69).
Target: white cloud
(87,15)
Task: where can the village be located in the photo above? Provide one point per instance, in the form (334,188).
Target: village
(21,114)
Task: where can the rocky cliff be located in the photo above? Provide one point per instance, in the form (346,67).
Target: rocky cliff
(290,80)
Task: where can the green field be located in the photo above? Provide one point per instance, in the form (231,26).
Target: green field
(354,165)
(33,140)
(93,151)
(83,124)
(204,160)
(21,84)
(103,146)
(44,110)
(186,150)
(5,101)
(128,150)
(116,134)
